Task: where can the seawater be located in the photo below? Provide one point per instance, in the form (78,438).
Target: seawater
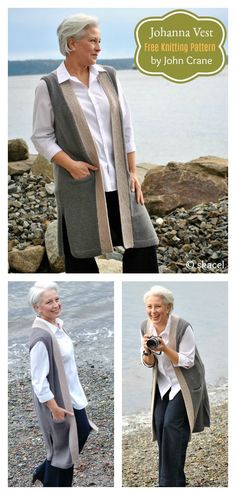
(172,122)
(204,306)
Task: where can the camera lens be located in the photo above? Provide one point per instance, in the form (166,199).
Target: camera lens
(152,342)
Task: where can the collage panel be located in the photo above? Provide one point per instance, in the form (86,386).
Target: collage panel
(116,160)
(175,384)
(60,417)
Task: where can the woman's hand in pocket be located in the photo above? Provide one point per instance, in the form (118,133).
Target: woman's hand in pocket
(81,170)
(58,413)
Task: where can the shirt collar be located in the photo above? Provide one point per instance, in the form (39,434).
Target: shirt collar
(166,330)
(63,74)
(52,327)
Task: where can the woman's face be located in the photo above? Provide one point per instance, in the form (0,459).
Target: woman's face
(49,305)
(157,310)
(87,48)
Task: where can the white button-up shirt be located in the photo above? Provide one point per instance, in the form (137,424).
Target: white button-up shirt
(39,362)
(96,109)
(166,373)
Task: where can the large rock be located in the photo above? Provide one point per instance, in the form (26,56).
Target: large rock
(41,166)
(17,150)
(175,185)
(109,266)
(56,262)
(143,168)
(26,260)
(20,167)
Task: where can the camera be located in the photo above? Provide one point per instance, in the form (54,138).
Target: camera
(153,342)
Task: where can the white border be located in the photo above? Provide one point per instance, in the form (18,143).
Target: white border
(116,277)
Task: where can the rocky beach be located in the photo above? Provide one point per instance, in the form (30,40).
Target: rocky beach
(187,204)
(207,454)
(25,444)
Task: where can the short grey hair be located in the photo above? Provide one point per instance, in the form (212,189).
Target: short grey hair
(74,27)
(158,290)
(38,289)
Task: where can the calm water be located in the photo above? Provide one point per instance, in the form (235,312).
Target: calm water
(204,305)
(177,122)
(87,312)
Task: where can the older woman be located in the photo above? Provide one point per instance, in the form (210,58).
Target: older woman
(59,398)
(82,124)
(179,395)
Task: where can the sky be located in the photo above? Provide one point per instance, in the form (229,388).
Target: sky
(32,31)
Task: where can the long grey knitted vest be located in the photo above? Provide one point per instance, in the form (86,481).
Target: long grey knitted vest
(82,203)
(60,437)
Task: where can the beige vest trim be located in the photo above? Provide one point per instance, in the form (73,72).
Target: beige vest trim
(89,145)
(179,375)
(73,436)
(120,164)
(154,384)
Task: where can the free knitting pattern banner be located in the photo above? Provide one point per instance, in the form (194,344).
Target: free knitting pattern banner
(180,46)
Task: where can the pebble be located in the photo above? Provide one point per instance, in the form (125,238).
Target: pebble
(50,188)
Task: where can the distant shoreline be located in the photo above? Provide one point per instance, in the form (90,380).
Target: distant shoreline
(44,66)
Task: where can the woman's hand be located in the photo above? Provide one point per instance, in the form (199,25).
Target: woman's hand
(134,182)
(136,187)
(160,348)
(80,170)
(145,338)
(58,413)
(148,358)
(77,169)
(172,355)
